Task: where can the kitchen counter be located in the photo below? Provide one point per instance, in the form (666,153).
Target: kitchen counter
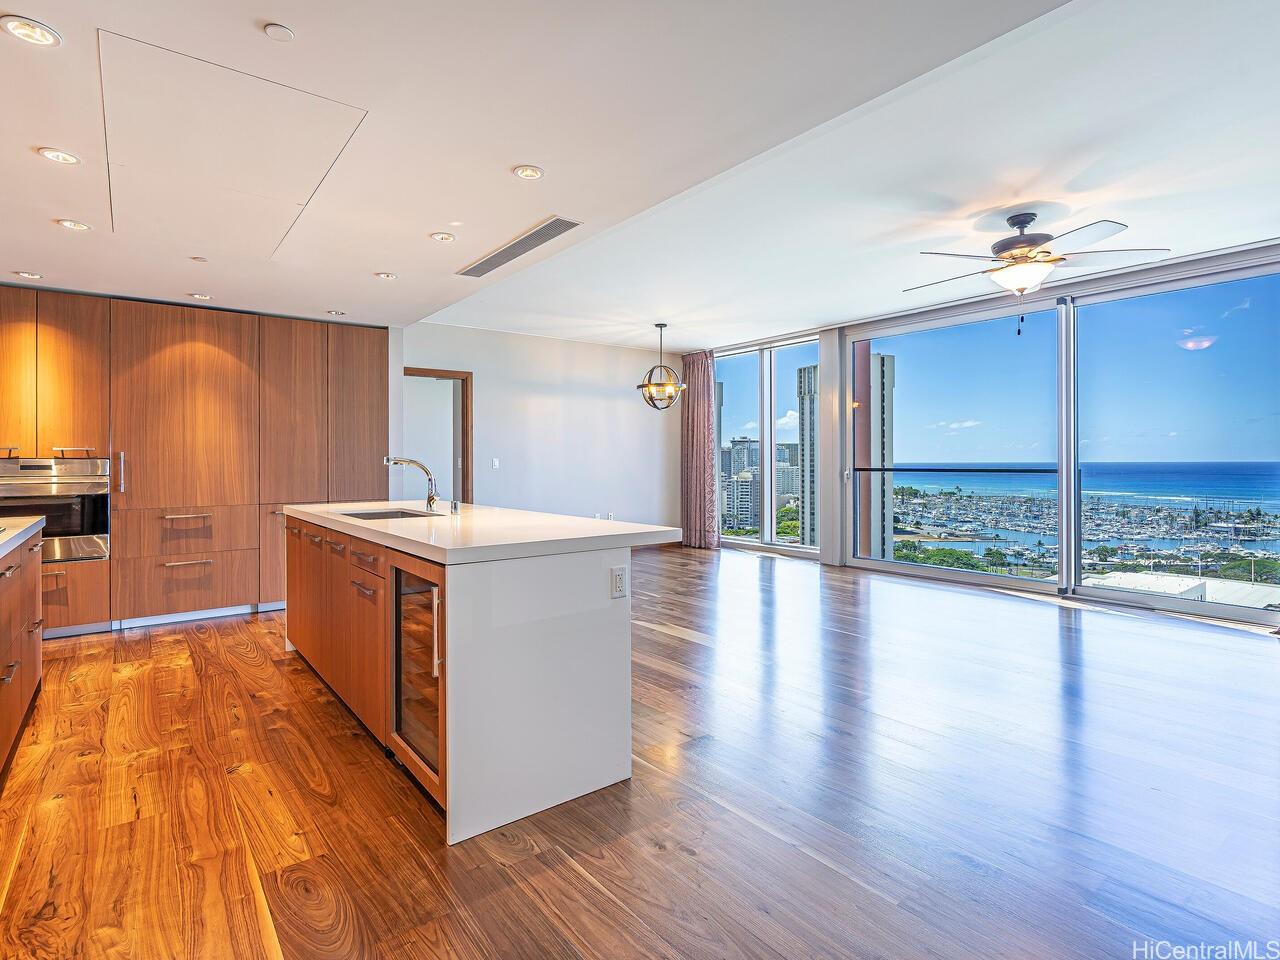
(13,530)
(489,651)
(478,534)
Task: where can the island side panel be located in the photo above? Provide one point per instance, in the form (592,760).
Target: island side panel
(538,674)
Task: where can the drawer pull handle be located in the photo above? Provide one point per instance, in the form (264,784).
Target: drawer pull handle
(65,449)
(9,571)
(120,489)
(54,573)
(313,538)
(13,669)
(367,591)
(36,547)
(277,513)
(187,516)
(336,544)
(366,557)
(186,563)
(291,529)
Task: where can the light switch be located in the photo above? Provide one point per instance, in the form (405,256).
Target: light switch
(495,463)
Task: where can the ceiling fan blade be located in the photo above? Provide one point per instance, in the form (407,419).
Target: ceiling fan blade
(1085,236)
(949,279)
(963,256)
(1113,258)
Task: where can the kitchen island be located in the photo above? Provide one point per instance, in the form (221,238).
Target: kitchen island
(489,650)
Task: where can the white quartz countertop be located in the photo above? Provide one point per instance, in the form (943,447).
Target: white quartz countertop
(477,533)
(16,529)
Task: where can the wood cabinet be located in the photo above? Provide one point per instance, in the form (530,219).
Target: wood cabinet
(294,403)
(272,540)
(184,406)
(72,375)
(357,413)
(21,631)
(18,372)
(338,618)
(153,586)
(173,531)
(75,593)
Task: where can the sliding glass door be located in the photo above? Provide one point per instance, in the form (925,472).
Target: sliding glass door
(1179,444)
(954,447)
(1149,424)
(767,425)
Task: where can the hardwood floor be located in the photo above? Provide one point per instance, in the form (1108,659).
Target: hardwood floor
(827,764)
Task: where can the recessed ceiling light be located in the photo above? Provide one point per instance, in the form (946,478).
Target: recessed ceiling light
(444,237)
(198,259)
(74,225)
(57,156)
(278,32)
(385,276)
(336,313)
(32,31)
(527,171)
(200,296)
(27,275)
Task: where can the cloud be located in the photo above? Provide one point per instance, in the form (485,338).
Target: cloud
(750,425)
(1173,433)
(963,424)
(1244,304)
(789,422)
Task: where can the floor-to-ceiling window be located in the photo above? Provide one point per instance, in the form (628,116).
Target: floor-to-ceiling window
(767,425)
(738,430)
(1178,425)
(954,446)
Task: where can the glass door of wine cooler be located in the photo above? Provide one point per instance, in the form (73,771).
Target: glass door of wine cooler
(419,676)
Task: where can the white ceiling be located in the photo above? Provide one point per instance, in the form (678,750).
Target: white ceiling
(222,142)
(1162,114)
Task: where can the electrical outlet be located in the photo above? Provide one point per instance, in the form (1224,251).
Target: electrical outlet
(495,463)
(618,582)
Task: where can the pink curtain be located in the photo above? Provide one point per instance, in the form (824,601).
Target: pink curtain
(699,512)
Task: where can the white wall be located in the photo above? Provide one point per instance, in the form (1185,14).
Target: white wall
(564,420)
(431,420)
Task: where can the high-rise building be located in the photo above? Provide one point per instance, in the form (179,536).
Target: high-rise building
(786,480)
(881,425)
(788,453)
(742,501)
(745,454)
(807,452)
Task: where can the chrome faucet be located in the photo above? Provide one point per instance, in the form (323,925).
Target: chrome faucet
(432,496)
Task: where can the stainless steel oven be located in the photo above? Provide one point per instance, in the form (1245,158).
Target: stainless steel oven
(71,494)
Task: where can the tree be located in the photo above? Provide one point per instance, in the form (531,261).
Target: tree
(995,558)
(1104,552)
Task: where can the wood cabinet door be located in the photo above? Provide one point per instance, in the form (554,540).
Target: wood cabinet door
(306,621)
(18,372)
(294,405)
(298,586)
(221,439)
(73,375)
(153,586)
(29,639)
(333,634)
(149,427)
(272,540)
(357,413)
(365,647)
(75,593)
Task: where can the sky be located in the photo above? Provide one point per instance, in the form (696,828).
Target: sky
(1190,375)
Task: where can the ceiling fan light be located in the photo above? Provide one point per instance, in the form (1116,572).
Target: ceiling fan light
(1020,278)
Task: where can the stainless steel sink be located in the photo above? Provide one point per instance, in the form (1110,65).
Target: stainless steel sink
(396,514)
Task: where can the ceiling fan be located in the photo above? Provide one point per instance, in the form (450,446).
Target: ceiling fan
(1024,261)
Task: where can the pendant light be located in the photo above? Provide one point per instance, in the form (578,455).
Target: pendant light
(660,386)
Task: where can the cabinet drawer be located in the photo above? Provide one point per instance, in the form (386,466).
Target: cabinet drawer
(151,586)
(369,556)
(175,531)
(75,593)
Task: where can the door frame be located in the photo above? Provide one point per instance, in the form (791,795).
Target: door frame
(463,376)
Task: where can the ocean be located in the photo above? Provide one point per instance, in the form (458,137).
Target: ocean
(1227,485)
(1220,485)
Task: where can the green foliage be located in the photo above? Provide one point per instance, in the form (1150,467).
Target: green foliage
(995,558)
(1257,571)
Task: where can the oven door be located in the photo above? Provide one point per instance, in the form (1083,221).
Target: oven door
(75,525)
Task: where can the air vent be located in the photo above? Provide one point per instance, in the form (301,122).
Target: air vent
(544,232)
